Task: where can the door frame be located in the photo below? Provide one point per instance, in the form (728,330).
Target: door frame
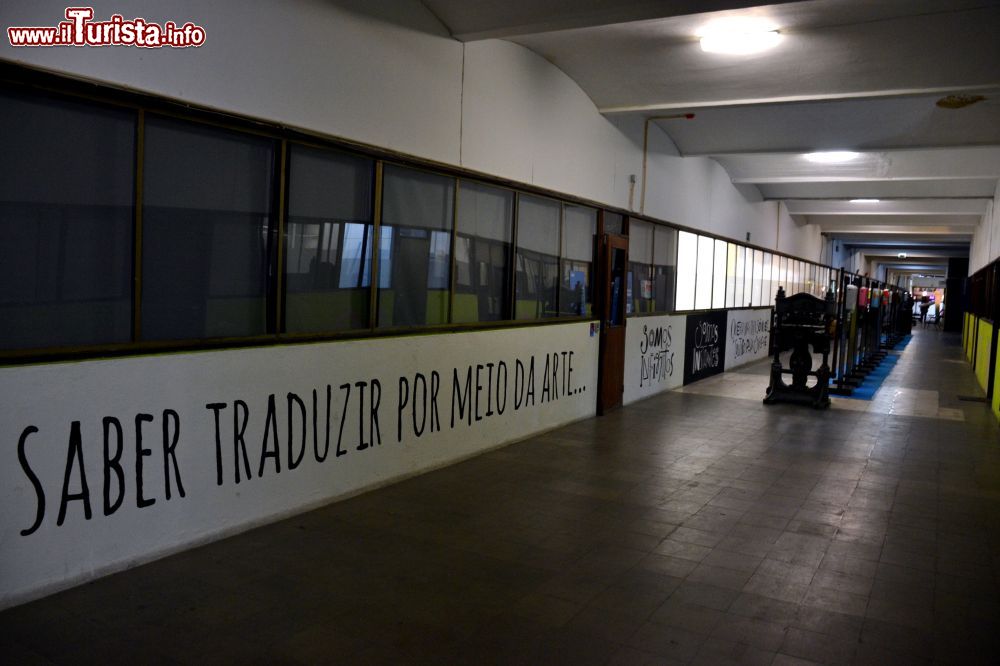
(611,348)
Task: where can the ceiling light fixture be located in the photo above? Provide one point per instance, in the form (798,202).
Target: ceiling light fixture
(865,200)
(739,36)
(832,156)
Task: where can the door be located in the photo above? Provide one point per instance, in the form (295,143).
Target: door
(612,281)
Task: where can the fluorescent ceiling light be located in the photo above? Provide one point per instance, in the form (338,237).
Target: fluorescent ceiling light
(865,200)
(832,156)
(739,36)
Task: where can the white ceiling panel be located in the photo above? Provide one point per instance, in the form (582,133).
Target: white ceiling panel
(855,124)
(982,188)
(889,208)
(830,49)
(470,20)
(978,163)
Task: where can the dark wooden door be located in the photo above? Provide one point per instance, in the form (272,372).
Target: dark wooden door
(612,281)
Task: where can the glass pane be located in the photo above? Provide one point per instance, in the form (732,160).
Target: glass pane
(328,240)
(579,228)
(482,253)
(617,286)
(767,295)
(414,277)
(664,258)
(206,231)
(731,275)
(613,222)
(719,278)
(537,265)
(640,251)
(758,276)
(65,226)
(748,279)
(740,270)
(775,277)
(687,261)
(703,282)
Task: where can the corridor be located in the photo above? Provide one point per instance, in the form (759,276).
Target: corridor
(698,526)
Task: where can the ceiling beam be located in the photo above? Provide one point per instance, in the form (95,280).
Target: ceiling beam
(889,208)
(932,164)
(693,105)
(917,223)
(884,189)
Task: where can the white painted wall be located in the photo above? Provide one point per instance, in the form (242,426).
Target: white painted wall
(523,119)
(388,74)
(379,73)
(654,356)
(51,397)
(986,238)
(697,192)
(798,238)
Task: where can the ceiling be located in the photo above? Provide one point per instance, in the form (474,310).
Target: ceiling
(848,74)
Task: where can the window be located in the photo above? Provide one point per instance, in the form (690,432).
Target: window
(65,226)
(207,231)
(687,262)
(579,228)
(767,293)
(640,256)
(482,253)
(328,241)
(739,282)
(703,282)
(415,248)
(614,223)
(748,274)
(731,275)
(537,263)
(664,259)
(719,275)
(775,277)
(758,277)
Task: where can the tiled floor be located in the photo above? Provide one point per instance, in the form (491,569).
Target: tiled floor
(694,527)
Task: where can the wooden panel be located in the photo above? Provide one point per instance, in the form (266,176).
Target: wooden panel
(613,273)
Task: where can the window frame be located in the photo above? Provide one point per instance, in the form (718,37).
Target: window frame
(61,87)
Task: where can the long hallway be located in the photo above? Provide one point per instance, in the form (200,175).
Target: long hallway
(698,526)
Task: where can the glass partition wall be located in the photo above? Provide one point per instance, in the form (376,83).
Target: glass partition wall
(712,273)
(170,228)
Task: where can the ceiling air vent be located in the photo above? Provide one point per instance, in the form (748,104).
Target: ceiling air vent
(959,101)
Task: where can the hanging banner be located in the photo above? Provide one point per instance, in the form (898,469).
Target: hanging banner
(705,345)
(654,350)
(748,336)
